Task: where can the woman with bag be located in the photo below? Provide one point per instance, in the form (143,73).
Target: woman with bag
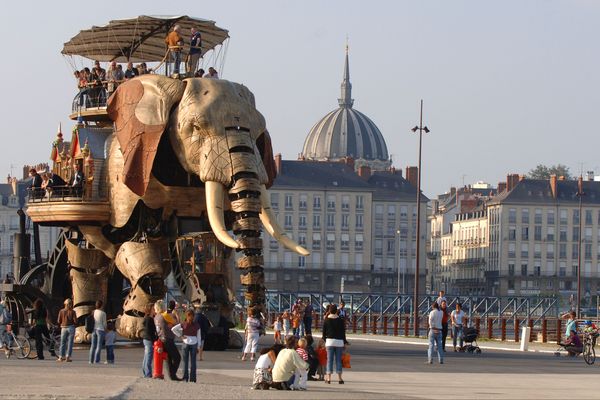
(190,333)
(334,335)
(253,328)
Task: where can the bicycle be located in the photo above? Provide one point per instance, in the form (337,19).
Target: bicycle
(589,344)
(51,342)
(18,345)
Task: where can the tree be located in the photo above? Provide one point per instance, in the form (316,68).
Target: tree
(544,172)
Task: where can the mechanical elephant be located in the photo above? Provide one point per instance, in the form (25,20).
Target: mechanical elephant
(193,148)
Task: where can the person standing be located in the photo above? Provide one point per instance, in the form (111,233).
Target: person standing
(445,319)
(191,336)
(204,325)
(36,184)
(286,324)
(131,72)
(77,180)
(4,321)
(67,320)
(148,337)
(571,324)
(334,335)
(195,52)
(435,334)
(441,297)
(252,329)
(308,317)
(98,334)
(458,319)
(174,43)
(109,343)
(39,315)
(164,321)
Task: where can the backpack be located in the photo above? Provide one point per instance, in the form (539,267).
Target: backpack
(90,323)
(5,317)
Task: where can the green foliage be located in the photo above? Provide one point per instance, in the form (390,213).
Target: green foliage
(544,172)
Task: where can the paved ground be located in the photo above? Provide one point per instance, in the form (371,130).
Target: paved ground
(392,369)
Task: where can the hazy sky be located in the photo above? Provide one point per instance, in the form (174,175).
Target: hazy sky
(506,84)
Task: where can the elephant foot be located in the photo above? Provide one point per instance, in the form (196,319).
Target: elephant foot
(130,326)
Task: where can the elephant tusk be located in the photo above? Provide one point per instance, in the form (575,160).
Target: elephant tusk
(214,206)
(270,223)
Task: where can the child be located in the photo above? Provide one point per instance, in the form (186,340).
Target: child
(109,343)
(286,324)
(301,376)
(296,324)
(277,328)
(262,370)
(322,356)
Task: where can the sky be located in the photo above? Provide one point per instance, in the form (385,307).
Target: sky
(506,85)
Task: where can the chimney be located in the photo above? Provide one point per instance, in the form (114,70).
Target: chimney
(553,185)
(349,161)
(278,163)
(501,187)
(412,175)
(364,171)
(511,181)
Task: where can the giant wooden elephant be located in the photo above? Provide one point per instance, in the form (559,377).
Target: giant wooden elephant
(186,148)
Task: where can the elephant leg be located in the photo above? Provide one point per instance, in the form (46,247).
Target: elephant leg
(88,272)
(245,203)
(145,268)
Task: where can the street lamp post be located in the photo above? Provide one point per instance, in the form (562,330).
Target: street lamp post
(580,194)
(421,129)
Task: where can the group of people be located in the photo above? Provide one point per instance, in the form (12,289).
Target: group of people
(49,183)
(440,320)
(293,359)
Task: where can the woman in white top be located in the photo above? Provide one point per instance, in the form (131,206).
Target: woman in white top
(253,325)
(98,334)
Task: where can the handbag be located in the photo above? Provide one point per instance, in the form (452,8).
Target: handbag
(346,360)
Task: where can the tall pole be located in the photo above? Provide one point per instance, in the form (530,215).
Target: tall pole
(580,194)
(420,128)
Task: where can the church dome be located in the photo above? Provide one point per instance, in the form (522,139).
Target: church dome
(346,132)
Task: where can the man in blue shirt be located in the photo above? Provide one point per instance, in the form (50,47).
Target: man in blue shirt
(195,52)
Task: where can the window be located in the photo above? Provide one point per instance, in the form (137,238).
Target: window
(391,246)
(588,251)
(512,233)
(303,201)
(524,250)
(275,200)
(358,241)
(302,239)
(345,202)
(525,215)
(511,250)
(316,259)
(588,217)
(575,250)
(378,228)
(288,220)
(588,234)
(562,271)
(345,220)
(403,212)
(331,241)
(511,285)
(359,203)
(316,241)
(511,269)
(317,202)
(575,217)
(575,235)
(11,244)
(302,221)
(345,242)
(550,217)
(537,250)
(391,211)
(563,234)
(538,216)
(379,211)
(512,215)
(288,201)
(550,234)
(524,233)
(301,261)
(330,221)
(574,270)
(537,235)
(403,252)
(316,221)
(562,251)
(378,247)
(523,269)
(563,216)
(331,202)
(550,250)
(359,221)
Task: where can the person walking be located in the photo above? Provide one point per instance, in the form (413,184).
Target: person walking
(191,336)
(435,333)
(39,316)
(458,319)
(98,334)
(164,321)
(204,325)
(334,335)
(149,337)
(252,329)
(67,320)
(445,319)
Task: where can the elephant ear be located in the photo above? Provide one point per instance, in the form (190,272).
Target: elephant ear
(263,143)
(140,109)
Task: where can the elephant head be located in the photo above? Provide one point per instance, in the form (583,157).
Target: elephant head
(217,134)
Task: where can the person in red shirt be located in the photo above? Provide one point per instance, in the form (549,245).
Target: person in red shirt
(322,356)
(445,319)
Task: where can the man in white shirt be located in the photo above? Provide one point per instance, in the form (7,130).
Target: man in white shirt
(441,298)
(458,318)
(435,333)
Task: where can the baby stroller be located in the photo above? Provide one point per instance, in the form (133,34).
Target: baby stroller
(470,338)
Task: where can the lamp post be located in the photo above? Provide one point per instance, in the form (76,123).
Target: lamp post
(580,194)
(421,129)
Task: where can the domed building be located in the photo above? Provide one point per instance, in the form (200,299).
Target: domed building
(346,132)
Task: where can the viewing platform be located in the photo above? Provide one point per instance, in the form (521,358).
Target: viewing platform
(58,209)
(90,108)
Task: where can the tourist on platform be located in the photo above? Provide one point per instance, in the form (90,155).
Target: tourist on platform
(286,364)
(174,43)
(148,337)
(277,326)
(98,334)
(115,76)
(435,334)
(77,180)
(199,73)
(35,186)
(131,72)
(263,370)
(67,320)
(308,317)
(459,320)
(441,298)
(109,343)
(191,336)
(56,184)
(97,80)
(445,321)
(45,182)
(164,322)
(195,52)
(82,84)
(212,73)
(252,334)
(334,335)
(204,324)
